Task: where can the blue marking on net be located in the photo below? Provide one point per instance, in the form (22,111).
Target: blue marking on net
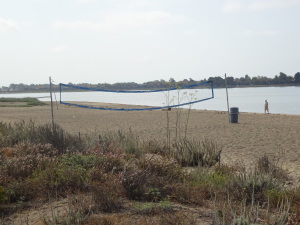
(138,91)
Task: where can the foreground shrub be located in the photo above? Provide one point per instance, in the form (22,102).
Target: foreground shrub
(106,146)
(261,184)
(149,179)
(107,195)
(60,139)
(275,197)
(151,208)
(266,166)
(23,158)
(252,186)
(242,213)
(163,218)
(17,132)
(109,161)
(194,153)
(294,196)
(3,197)
(155,147)
(213,179)
(44,134)
(134,183)
(189,194)
(161,166)
(59,179)
(78,160)
(142,185)
(77,211)
(129,142)
(19,191)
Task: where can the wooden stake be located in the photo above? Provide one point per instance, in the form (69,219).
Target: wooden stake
(53,126)
(227,98)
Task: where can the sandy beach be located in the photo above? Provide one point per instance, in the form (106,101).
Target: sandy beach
(252,137)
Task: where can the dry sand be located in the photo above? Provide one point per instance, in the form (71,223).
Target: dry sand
(254,136)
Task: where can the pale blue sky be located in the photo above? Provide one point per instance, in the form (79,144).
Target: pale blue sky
(97,41)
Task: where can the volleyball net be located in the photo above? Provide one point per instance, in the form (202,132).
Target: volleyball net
(132,100)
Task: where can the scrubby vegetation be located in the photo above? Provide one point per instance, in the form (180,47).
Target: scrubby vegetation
(20,102)
(119,179)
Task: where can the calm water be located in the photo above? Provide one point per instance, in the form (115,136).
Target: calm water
(283,100)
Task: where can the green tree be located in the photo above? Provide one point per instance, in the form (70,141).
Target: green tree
(285,79)
(282,77)
(218,81)
(276,80)
(172,80)
(230,80)
(254,80)
(247,80)
(297,78)
(237,81)
(13,87)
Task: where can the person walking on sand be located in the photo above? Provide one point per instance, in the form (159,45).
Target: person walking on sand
(266,106)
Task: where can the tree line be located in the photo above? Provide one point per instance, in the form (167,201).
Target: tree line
(219,82)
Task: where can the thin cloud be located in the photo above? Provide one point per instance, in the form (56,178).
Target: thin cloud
(59,49)
(6,25)
(119,21)
(128,3)
(236,6)
(265,5)
(85,1)
(146,32)
(232,6)
(190,32)
(145,59)
(252,33)
(28,24)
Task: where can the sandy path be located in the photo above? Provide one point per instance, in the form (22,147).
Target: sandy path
(254,135)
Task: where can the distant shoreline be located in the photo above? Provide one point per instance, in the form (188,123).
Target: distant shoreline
(245,86)
(216,87)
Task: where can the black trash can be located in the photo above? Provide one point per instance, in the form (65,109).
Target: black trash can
(234,115)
